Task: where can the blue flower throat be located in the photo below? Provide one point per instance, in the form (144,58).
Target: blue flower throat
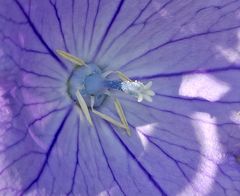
(88,86)
(89,80)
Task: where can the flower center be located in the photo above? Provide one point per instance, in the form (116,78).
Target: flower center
(90,82)
(88,87)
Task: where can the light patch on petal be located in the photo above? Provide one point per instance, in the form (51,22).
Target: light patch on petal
(211,151)
(203,86)
(231,54)
(5,113)
(146,129)
(113,190)
(143,140)
(235,117)
(206,133)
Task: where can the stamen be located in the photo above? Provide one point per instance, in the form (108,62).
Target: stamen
(123,77)
(71,58)
(109,119)
(107,73)
(108,93)
(84,107)
(122,115)
(105,117)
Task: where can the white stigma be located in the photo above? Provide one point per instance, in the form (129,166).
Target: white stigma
(138,90)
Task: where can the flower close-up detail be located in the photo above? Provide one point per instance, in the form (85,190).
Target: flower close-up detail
(120,97)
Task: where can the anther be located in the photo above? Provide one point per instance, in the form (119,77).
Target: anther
(71,58)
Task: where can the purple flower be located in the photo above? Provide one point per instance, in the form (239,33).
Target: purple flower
(185,142)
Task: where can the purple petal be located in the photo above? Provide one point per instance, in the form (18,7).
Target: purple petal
(185,142)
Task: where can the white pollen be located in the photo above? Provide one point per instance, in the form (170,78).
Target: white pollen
(138,90)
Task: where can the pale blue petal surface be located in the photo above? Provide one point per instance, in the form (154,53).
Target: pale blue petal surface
(186,142)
